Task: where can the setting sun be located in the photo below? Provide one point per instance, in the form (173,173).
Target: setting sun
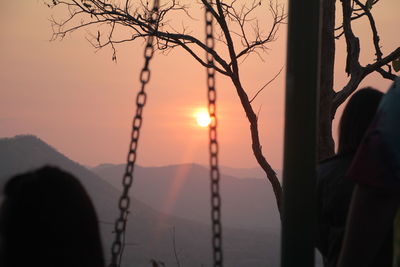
(202,118)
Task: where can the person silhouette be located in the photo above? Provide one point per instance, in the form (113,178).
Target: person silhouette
(374,210)
(334,191)
(47,219)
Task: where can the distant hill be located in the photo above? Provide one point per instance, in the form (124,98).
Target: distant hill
(184,191)
(256,172)
(149,234)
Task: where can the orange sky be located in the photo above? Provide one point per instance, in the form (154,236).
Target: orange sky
(81,102)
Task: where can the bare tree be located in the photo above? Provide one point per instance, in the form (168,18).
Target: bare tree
(240,34)
(331,99)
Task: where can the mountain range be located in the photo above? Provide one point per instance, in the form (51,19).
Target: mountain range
(165,200)
(184,190)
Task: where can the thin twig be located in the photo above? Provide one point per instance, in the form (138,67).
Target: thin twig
(174,246)
(265,85)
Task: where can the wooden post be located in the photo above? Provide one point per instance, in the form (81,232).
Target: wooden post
(299,173)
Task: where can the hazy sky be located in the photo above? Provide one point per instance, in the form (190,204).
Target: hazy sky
(81,102)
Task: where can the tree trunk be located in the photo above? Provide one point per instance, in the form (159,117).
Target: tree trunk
(256,145)
(326,145)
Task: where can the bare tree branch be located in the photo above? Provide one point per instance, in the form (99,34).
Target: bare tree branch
(251,116)
(265,85)
(353,68)
(356,15)
(387,74)
(352,42)
(378,51)
(383,61)
(279,17)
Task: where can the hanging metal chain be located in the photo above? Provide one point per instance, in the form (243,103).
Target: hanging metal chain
(124,200)
(213,147)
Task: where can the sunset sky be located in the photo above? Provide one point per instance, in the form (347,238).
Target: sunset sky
(81,102)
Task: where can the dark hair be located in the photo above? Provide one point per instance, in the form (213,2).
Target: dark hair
(48,219)
(356,118)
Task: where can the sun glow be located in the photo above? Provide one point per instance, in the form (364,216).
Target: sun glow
(202,118)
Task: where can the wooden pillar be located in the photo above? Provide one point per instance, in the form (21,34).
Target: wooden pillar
(299,173)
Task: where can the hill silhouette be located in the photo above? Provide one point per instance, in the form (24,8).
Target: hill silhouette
(149,234)
(184,191)
(255,172)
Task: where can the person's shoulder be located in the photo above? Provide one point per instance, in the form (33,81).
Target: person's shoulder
(329,160)
(331,182)
(332,170)
(335,161)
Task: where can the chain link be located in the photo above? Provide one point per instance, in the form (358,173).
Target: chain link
(124,200)
(213,146)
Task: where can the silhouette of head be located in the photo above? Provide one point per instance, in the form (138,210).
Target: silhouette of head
(356,118)
(48,219)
